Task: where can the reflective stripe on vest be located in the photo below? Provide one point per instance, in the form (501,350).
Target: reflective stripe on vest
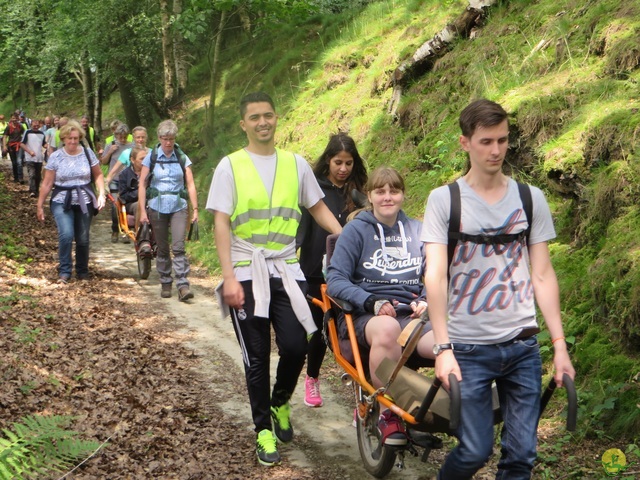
(273,222)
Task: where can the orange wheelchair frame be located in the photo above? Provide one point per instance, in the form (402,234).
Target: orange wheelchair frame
(425,408)
(126,223)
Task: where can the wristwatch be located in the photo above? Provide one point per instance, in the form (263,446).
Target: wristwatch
(438,349)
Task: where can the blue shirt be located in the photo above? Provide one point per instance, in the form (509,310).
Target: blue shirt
(168,179)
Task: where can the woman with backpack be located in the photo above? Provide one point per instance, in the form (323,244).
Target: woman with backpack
(166,181)
(69,173)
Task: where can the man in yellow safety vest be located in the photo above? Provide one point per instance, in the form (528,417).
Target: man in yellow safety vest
(255,196)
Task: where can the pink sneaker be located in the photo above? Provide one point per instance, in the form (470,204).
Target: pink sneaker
(392,429)
(312,397)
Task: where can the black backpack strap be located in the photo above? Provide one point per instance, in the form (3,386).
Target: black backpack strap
(86,154)
(181,161)
(454,220)
(527,204)
(153,158)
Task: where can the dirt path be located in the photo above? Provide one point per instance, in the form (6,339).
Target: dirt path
(323,435)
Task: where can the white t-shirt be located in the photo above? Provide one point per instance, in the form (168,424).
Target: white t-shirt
(223,196)
(490,291)
(34,140)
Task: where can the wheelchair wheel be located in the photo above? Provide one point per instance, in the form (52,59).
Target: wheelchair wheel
(378,460)
(144,265)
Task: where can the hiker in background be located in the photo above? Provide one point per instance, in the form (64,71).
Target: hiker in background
(61,123)
(338,170)
(69,173)
(113,126)
(110,157)
(46,124)
(51,135)
(481,299)
(92,138)
(12,139)
(166,181)
(129,184)
(140,140)
(3,126)
(33,145)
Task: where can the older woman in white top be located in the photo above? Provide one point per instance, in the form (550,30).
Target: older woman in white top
(69,173)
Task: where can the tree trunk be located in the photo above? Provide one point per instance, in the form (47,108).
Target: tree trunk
(87,91)
(23,94)
(31,92)
(97,101)
(209,137)
(167,55)
(179,54)
(129,104)
(244,18)
(423,59)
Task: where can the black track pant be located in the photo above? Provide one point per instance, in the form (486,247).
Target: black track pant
(254,337)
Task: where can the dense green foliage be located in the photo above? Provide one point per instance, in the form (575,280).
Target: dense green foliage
(39,445)
(568,73)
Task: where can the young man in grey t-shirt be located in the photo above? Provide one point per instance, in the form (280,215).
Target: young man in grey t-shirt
(482,305)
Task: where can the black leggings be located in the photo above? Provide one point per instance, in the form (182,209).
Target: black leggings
(254,337)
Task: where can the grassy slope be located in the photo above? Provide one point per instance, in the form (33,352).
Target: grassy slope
(574,103)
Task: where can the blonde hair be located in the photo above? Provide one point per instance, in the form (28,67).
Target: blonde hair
(69,127)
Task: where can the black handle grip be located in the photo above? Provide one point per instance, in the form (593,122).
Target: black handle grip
(455,402)
(572,400)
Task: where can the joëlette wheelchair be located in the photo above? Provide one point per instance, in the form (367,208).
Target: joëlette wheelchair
(425,408)
(126,224)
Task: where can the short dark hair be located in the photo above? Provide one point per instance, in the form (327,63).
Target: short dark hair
(481,113)
(254,97)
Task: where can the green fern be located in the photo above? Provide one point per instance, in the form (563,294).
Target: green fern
(40,444)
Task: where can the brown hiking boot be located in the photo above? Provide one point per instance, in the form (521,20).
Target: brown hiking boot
(184,293)
(166,290)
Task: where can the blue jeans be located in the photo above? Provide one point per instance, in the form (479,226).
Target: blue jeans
(516,368)
(72,224)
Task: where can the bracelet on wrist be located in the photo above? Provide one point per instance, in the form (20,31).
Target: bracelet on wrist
(556,340)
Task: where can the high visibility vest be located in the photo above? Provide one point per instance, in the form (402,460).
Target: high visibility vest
(266,222)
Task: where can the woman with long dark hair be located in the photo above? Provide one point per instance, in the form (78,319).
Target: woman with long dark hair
(339,170)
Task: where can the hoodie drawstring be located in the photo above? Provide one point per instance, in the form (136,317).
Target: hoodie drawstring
(404,252)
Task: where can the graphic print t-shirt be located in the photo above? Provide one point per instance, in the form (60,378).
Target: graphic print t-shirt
(490,291)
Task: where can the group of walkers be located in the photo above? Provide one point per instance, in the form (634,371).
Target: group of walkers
(476,274)
(478,288)
(71,154)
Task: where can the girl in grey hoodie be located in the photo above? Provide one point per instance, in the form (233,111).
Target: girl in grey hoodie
(378,266)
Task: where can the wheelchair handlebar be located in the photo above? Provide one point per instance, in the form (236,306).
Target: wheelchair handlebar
(572,400)
(454,401)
